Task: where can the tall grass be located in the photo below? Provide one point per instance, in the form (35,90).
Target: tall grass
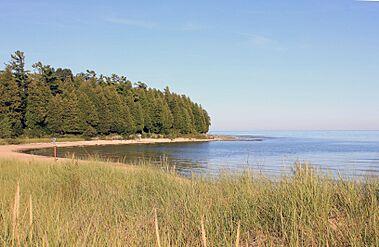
(94,204)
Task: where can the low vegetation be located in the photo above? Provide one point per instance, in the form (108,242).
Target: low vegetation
(25,140)
(73,203)
(73,138)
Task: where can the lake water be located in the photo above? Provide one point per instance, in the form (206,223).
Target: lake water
(345,153)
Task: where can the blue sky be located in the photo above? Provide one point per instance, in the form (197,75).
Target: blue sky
(254,65)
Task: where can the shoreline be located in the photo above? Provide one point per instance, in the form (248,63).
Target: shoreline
(16,151)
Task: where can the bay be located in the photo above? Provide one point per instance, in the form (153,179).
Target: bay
(272,153)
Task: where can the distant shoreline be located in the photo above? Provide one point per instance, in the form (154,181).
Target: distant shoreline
(17,151)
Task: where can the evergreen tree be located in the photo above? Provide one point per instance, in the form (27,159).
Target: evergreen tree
(145,100)
(10,104)
(56,101)
(88,111)
(49,77)
(186,104)
(207,122)
(37,106)
(55,115)
(162,117)
(137,115)
(129,124)
(199,118)
(181,117)
(167,118)
(64,74)
(124,87)
(87,104)
(17,65)
(122,122)
(104,113)
(72,121)
(115,108)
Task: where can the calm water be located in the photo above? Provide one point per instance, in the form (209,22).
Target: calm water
(348,153)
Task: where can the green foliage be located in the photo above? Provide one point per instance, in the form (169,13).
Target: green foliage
(137,114)
(10,106)
(88,110)
(50,77)
(72,121)
(55,113)
(54,101)
(37,106)
(105,117)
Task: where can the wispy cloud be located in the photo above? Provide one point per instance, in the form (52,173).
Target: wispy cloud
(281,11)
(133,22)
(261,40)
(193,26)
(258,39)
(138,23)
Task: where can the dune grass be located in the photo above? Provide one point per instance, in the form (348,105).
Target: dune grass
(75,203)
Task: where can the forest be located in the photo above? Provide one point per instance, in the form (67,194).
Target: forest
(49,101)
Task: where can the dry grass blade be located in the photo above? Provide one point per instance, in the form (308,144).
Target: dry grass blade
(92,204)
(156,227)
(30,218)
(204,237)
(45,241)
(15,215)
(238,234)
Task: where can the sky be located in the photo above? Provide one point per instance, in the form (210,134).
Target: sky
(253,65)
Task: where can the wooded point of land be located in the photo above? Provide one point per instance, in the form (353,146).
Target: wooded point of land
(49,101)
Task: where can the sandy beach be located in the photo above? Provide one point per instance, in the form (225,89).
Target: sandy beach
(15,151)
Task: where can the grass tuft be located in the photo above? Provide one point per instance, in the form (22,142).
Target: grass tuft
(75,203)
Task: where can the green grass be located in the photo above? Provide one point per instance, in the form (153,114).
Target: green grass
(96,204)
(25,140)
(71,138)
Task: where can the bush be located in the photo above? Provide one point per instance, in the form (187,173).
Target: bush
(89,132)
(13,141)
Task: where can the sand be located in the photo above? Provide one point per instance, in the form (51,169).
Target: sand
(15,151)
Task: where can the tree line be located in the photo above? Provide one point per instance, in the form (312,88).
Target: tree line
(51,101)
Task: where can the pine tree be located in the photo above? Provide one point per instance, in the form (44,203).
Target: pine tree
(17,65)
(72,122)
(10,104)
(56,101)
(137,114)
(88,107)
(186,103)
(145,99)
(37,106)
(162,117)
(115,109)
(207,122)
(49,77)
(167,118)
(199,118)
(55,115)
(88,110)
(104,113)
(63,75)
(129,124)
(185,122)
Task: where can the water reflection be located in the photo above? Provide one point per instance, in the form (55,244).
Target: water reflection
(344,153)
